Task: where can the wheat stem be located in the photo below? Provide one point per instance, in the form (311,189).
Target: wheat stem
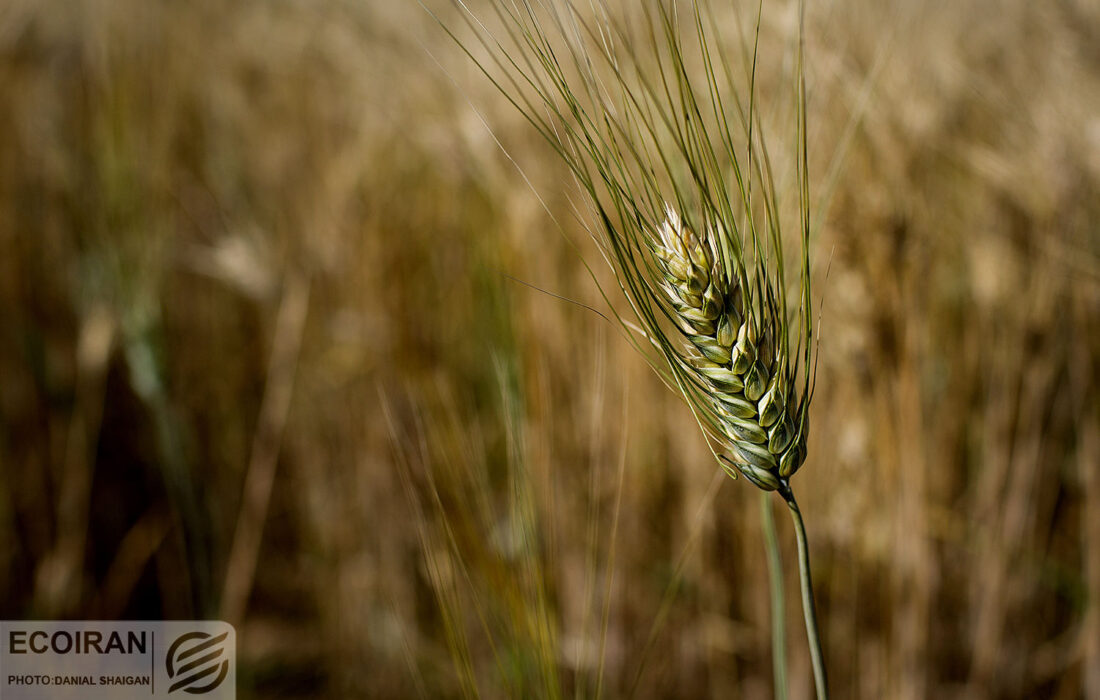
(778,611)
(809,610)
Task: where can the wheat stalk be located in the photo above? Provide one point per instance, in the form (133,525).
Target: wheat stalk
(680,195)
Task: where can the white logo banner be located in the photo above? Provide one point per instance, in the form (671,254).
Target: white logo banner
(99,660)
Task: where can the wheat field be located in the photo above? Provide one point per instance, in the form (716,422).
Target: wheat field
(289,339)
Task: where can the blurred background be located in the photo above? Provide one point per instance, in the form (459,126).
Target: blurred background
(262,359)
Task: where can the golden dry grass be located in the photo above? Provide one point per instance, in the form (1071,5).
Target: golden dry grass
(179,181)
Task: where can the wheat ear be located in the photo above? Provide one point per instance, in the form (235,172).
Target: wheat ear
(734,350)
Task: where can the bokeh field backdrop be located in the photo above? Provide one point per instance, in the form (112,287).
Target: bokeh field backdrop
(279,345)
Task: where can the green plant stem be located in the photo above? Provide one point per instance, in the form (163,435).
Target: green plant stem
(779,615)
(809,610)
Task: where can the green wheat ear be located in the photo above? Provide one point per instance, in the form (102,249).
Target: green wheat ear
(735,350)
(645,111)
(665,143)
